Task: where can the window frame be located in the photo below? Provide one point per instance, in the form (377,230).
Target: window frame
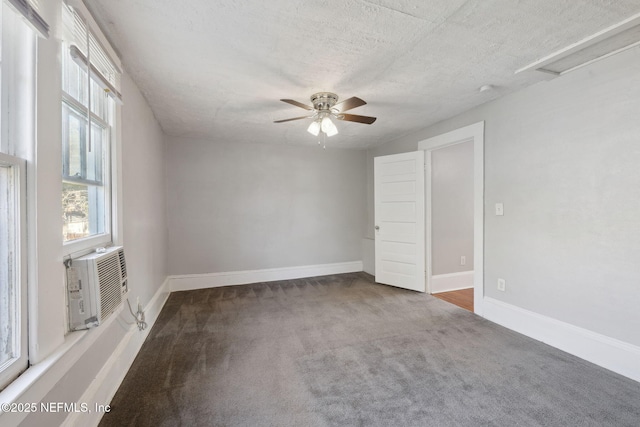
(105,238)
(13,367)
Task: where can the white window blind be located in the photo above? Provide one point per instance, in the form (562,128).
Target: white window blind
(29,10)
(103,69)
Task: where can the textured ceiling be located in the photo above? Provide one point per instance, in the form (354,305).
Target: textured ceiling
(216,69)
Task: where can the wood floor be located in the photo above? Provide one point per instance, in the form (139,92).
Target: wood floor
(462,298)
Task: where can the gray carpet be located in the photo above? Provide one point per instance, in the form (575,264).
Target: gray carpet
(343,351)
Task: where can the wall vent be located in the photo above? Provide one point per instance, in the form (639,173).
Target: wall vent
(612,40)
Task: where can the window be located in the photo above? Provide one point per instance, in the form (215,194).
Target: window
(90,82)
(17,129)
(13,346)
(85,170)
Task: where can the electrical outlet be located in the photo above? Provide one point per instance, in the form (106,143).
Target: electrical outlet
(502,284)
(463,260)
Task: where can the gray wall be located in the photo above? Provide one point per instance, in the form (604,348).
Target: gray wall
(144,192)
(563,157)
(235,207)
(452,208)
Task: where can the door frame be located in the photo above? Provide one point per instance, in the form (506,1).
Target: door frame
(475,133)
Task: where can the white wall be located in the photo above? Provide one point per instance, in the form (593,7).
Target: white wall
(64,366)
(235,207)
(144,194)
(452,208)
(563,157)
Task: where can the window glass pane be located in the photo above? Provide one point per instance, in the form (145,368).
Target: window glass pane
(75,143)
(74,84)
(8,292)
(75,210)
(74,79)
(100,101)
(95,154)
(82,159)
(83,210)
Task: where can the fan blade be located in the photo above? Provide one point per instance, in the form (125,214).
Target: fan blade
(355,118)
(297,104)
(348,104)
(288,120)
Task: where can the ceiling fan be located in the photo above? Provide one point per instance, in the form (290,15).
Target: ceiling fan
(325,106)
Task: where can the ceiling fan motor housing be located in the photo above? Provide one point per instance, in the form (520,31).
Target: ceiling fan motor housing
(323,101)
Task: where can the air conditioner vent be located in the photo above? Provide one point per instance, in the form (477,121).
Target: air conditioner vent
(603,44)
(123,263)
(109,278)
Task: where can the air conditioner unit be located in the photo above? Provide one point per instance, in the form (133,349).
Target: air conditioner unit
(96,286)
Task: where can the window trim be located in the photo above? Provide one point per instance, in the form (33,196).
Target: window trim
(15,366)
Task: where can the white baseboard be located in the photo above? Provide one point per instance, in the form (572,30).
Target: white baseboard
(615,355)
(106,383)
(451,282)
(213,280)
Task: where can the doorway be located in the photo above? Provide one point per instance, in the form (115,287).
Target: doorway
(449,258)
(450,201)
(403,233)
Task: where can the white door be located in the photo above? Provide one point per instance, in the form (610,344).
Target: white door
(399,220)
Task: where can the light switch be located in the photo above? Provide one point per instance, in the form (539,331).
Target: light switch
(499,209)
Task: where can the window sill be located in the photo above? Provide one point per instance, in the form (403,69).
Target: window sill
(33,373)
(38,380)
(87,245)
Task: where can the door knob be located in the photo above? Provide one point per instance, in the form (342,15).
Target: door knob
(377,227)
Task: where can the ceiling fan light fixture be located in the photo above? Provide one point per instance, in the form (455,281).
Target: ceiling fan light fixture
(324,106)
(314,128)
(328,127)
